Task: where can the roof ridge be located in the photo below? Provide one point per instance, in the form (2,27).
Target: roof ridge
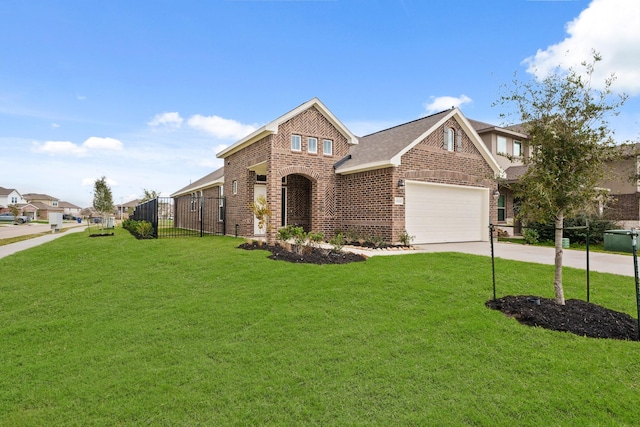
(409,122)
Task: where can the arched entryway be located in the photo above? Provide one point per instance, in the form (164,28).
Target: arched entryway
(296,207)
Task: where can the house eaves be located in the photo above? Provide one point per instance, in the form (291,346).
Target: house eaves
(272,127)
(214,178)
(365,167)
(482,128)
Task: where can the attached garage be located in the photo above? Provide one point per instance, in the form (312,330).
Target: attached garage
(442,213)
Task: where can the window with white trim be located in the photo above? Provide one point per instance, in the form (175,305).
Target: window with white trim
(501,145)
(296,143)
(194,202)
(312,145)
(221,203)
(502,209)
(517,149)
(451,139)
(327,147)
(234,187)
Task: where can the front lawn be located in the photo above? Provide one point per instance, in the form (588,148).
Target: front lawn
(119,331)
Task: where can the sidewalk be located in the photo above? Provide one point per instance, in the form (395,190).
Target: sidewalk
(12,248)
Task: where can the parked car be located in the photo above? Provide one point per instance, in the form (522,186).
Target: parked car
(9,217)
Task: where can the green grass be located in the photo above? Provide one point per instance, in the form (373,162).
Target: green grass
(117,331)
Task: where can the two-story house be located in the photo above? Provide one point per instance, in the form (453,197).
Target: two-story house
(44,204)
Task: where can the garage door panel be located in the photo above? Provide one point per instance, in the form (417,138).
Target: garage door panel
(437,213)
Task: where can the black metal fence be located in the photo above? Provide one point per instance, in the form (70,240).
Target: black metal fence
(183,216)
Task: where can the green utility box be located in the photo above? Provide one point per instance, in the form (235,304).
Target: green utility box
(566,243)
(618,241)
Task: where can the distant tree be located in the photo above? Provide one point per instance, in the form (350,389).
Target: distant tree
(149,195)
(15,210)
(570,141)
(102,197)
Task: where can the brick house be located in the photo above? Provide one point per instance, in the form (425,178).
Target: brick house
(623,187)
(508,145)
(433,177)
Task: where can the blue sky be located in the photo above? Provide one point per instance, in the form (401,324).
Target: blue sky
(147,92)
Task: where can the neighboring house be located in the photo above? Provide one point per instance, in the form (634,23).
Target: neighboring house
(10,196)
(44,204)
(433,178)
(124,209)
(623,187)
(508,146)
(70,209)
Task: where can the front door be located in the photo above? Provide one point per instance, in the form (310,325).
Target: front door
(258,190)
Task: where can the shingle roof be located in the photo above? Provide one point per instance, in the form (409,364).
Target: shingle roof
(515,172)
(68,205)
(6,191)
(215,177)
(37,196)
(45,207)
(384,145)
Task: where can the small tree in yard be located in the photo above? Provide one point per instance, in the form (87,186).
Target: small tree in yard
(102,197)
(570,141)
(149,195)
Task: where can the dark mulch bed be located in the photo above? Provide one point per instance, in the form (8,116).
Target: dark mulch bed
(101,234)
(576,316)
(311,255)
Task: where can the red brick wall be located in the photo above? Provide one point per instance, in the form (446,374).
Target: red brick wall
(282,161)
(624,207)
(366,204)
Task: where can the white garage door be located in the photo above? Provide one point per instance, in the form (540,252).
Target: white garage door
(438,213)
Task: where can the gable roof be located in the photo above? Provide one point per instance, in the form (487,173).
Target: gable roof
(272,127)
(7,191)
(37,196)
(482,127)
(68,205)
(385,148)
(214,178)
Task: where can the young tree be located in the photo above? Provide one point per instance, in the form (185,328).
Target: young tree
(570,141)
(149,195)
(102,197)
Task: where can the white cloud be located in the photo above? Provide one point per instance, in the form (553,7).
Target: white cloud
(608,27)
(55,125)
(67,148)
(170,120)
(59,147)
(442,103)
(220,127)
(102,144)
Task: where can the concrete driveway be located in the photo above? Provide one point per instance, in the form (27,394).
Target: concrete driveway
(598,261)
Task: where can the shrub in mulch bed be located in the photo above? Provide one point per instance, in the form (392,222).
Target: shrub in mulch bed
(576,316)
(311,255)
